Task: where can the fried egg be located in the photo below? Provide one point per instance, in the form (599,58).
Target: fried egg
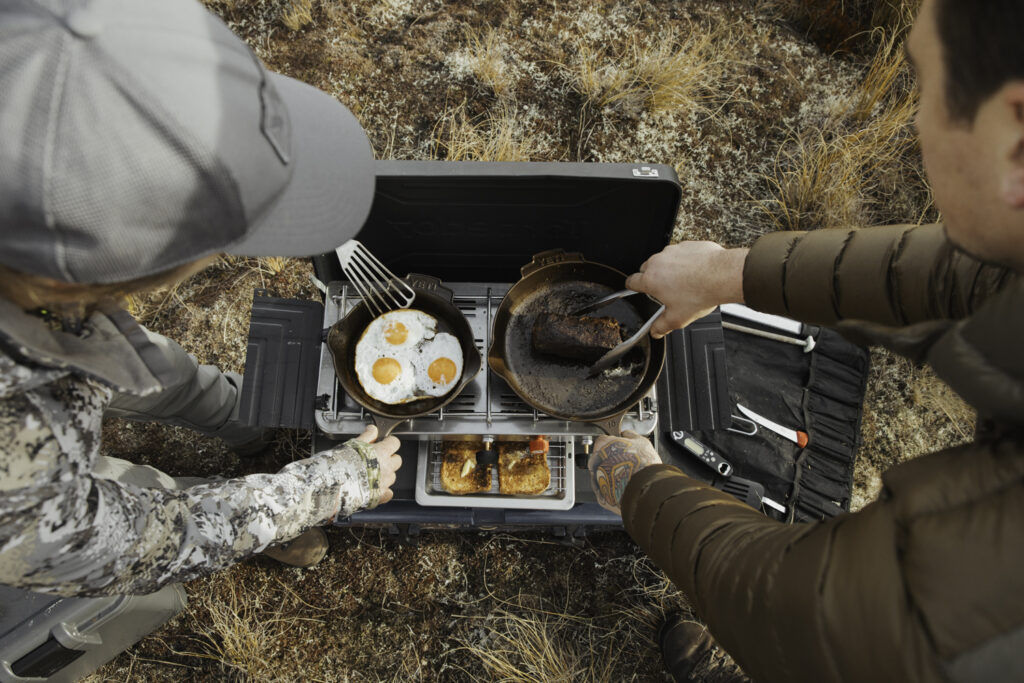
(401,357)
(383,376)
(385,353)
(438,365)
(402,329)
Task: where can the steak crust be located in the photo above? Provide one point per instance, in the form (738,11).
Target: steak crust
(579,338)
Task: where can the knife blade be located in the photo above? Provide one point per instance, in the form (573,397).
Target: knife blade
(798,437)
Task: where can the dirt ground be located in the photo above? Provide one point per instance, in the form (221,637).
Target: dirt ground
(766,132)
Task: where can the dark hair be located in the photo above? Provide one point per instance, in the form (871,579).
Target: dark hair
(983,49)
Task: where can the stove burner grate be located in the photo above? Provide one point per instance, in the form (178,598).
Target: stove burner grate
(487,404)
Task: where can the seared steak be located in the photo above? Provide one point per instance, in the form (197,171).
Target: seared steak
(567,336)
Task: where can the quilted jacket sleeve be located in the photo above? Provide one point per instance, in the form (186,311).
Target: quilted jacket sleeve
(915,587)
(892,276)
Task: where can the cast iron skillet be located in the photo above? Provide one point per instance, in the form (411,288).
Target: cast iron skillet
(558,388)
(432,298)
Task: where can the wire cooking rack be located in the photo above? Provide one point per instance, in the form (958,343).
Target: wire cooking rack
(559,495)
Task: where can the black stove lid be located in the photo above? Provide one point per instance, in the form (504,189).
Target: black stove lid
(482,221)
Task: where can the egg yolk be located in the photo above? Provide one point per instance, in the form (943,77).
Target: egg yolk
(441,371)
(386,370)
(396,333)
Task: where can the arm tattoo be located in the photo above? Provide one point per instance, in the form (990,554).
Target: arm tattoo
(612,476)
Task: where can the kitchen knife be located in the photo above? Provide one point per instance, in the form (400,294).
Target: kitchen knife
(795,435)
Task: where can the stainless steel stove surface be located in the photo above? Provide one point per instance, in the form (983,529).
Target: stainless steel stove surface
(486,406)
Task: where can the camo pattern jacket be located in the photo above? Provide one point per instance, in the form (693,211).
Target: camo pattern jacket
(65,531)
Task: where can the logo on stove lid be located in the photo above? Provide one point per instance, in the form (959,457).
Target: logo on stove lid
(645,172)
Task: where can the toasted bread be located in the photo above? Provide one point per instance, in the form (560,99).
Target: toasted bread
(455,455)
(520,472)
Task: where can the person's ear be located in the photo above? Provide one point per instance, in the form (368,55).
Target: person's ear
(1013,176)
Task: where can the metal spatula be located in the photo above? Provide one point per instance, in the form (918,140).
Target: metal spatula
(380,288)
(615,355)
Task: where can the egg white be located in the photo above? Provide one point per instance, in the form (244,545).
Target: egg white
(418,324)
(442,345)
(399,390)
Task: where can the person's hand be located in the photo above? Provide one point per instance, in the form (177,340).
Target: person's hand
(388,462)
(614,461)
(690,278)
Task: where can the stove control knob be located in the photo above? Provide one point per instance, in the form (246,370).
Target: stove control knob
(488,456)
(583,459)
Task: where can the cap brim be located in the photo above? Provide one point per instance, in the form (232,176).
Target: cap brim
(331,189)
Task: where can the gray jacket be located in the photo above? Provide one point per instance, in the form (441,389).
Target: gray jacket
(64,530)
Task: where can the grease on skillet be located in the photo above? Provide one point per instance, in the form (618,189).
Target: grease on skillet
(561,385)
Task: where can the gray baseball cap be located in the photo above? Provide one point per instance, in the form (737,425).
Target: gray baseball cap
(137,135)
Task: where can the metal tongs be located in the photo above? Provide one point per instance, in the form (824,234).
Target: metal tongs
(615,355)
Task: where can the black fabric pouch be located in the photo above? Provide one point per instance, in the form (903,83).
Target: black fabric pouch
(820,392)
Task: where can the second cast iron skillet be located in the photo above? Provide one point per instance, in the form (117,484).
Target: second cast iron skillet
(558,281)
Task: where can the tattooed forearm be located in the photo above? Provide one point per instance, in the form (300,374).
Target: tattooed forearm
(614,473)
(614,464)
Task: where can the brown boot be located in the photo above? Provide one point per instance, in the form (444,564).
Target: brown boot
(691,655)
(305,550)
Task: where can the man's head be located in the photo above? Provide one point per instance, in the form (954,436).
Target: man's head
(969,57)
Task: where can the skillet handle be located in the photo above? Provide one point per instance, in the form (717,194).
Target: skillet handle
(385,425)
(430,284)
(612,426)
(550,257)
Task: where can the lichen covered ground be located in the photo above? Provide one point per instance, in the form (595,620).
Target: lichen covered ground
(765,131)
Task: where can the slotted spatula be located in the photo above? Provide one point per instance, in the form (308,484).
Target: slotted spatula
(380,288)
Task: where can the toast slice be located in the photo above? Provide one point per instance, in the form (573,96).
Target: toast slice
(520,472)
(455,456)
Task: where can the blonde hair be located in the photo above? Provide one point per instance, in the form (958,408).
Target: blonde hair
(76,300)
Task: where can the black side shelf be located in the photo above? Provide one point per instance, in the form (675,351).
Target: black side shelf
(693,389)
(282,362)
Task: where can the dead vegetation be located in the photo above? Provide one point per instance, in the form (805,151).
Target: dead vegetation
(862,165)
(499,135)
(675,74)
(845,25)
(766,130)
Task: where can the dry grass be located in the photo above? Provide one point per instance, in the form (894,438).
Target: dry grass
(862,166)
(297,14)
(527,639)
(499,135)
(846,24)
(534,646)
(230,631)
(677,73)
(486,60)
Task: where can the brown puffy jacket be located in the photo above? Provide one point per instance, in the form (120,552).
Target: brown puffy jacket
(925,584)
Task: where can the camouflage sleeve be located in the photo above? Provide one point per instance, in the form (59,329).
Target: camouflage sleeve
(65,531)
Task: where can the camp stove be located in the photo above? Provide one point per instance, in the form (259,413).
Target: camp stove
(486,408)
(474,225)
